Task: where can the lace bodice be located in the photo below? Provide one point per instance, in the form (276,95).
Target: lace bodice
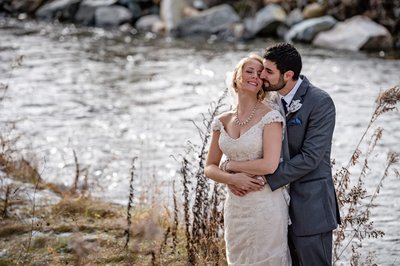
(249,145)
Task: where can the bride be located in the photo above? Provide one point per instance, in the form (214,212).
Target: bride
(250,137)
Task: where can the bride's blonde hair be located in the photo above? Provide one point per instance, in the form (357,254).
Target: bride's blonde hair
(238,72)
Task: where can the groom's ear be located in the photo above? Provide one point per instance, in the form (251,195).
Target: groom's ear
(288,75)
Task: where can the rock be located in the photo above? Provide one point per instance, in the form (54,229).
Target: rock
(233,33)
(208,22)
(58,9)
(354,34)
(3,253)
(133,7)
(396,12)
(265,22)
(199,5)
(20,6)
(282,30)
(87,9)
(306,30)
(295,16)
(212,3)
(313,10)
(148,23)
(112,16)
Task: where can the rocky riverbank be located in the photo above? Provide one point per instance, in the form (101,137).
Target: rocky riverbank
(335,24)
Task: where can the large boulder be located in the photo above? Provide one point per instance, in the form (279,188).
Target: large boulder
(59,9)
(208,22)
(306,30)
(87,9)
(357,33)
(265,22)
(112,16)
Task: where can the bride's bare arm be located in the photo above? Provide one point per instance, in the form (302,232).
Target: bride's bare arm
(211,170)
(272,144)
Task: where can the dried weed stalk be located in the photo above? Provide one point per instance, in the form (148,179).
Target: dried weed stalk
(130,203)
(176,220)
(5,86)
(352,194)
(203,213)
(6,201)
(39,178)
(77,171)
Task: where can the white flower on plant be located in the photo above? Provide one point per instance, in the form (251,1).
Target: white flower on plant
(294,106)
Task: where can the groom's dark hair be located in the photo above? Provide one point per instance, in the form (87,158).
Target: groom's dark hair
(286,58)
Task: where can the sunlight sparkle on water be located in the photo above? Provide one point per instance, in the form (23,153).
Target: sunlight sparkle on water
(98,173)
(128,39)
(203,71)
(335,69)
(143,136)
(53,151)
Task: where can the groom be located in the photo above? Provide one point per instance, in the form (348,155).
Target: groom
(310,121)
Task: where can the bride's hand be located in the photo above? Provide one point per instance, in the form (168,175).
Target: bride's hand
(247,182)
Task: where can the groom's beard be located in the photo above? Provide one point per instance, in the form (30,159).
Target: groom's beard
(277,87)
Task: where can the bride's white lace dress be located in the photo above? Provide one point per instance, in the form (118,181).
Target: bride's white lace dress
(255,224)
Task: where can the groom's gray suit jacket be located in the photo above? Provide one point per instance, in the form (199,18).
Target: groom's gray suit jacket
(313,205)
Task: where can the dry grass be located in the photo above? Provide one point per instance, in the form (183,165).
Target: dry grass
(83,207)
(10,228)
(84,231)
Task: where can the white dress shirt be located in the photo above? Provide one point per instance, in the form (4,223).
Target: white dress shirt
(289,97)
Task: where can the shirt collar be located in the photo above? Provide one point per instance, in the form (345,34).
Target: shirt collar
(289,97)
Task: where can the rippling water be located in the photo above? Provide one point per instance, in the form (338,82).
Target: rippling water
(111,96)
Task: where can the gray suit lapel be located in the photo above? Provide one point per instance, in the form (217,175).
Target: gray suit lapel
(299,94)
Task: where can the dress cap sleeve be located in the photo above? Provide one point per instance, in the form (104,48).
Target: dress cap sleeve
(216,124)
(272,117)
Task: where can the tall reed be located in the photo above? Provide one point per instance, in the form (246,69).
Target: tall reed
(357,224)
(202,214)
(130,203)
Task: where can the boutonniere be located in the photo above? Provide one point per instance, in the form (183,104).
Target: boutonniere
(294,107)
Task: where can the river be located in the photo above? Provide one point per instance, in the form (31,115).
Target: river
(114,95)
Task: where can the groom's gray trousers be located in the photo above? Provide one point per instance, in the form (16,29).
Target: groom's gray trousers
(311,250)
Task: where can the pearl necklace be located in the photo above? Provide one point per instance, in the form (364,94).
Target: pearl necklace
(237,121)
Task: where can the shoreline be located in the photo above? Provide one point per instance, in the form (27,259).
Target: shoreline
(232,21)
(29,26)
